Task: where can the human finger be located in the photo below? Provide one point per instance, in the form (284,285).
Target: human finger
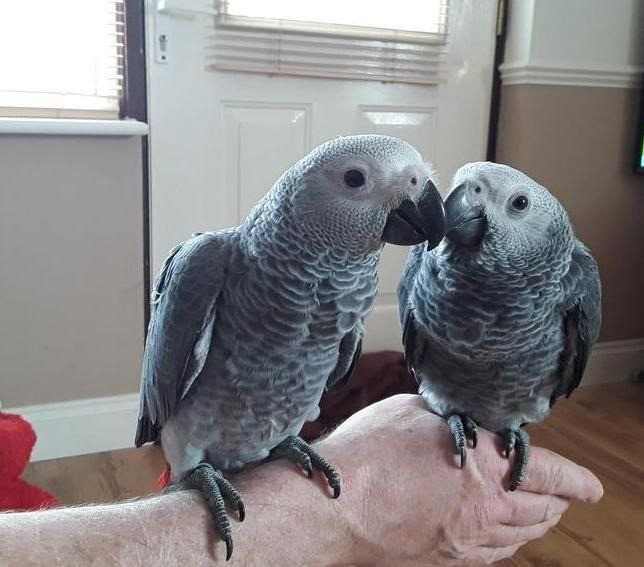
(549,473)
(505,536)
(528,508)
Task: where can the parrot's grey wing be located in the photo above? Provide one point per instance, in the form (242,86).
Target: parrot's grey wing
(405,308)
(582,319)
(184,299)
(348,354)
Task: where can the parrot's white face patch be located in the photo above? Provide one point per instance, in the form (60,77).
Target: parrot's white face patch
(349,186)
(521,214)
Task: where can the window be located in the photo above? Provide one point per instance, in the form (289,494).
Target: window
(402,41)
(61,59)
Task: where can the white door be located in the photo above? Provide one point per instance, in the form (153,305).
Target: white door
(220,139)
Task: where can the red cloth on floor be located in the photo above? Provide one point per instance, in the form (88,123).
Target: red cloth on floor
(17,439)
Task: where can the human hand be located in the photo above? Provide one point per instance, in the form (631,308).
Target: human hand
(412,505)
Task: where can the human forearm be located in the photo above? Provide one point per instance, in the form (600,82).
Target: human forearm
(404,501)
(290,520)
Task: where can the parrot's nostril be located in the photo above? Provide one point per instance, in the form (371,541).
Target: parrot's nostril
(477,189)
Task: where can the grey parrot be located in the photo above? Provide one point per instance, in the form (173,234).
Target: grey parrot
(252,323)
(499,319)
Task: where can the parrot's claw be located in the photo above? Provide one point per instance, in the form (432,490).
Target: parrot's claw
(462,428)
(229,547)
(516,440)
(471,430)
(217,491)
(297,450)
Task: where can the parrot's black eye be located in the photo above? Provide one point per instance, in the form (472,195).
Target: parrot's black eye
(520,203)
(354,178)
(414,181)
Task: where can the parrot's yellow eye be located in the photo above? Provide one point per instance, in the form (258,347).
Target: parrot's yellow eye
(354,178)
(520,203)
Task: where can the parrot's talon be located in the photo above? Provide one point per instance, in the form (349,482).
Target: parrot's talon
(297,450)
(229,547)
(509,439)
(455,423)
(471,430)
(217,492)
(517,440)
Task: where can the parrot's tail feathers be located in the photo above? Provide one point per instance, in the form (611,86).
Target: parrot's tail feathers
(164,479)
(146,431)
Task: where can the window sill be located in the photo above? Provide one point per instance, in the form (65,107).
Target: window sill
(70,127)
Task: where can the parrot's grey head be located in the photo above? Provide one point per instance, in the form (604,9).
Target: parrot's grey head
(357,192)
(496,208)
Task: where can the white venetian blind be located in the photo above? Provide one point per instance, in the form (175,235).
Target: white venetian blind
(401,41)
(61,58)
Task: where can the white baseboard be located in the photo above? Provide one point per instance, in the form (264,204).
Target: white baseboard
(614,361)
(103,424)
(382,329)
(84,426)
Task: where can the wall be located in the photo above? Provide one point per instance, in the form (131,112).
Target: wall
(568,117)
(71,276)
(578,142)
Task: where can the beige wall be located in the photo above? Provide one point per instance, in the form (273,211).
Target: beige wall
(578,142)
(71,282)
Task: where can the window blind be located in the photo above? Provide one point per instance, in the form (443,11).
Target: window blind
(402,41)
(61,58)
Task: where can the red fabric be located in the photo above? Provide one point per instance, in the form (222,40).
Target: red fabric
(377,376)
(17,439)
(164,478)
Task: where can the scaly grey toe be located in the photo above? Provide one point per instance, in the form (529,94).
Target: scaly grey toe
(298,451)
(217,491)
(457,429)
(519,441)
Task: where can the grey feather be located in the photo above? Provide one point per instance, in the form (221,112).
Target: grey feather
(251,323)
(348,354)
(184,298)
(582,322)
(499,330)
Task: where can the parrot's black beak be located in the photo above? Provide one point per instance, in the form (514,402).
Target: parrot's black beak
(412,223)
(466,223)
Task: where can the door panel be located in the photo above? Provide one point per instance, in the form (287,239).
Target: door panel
(219,140)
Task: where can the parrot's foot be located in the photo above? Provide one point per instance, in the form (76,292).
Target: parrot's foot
(518,440)
(297,450)
(217,491)
(462,429)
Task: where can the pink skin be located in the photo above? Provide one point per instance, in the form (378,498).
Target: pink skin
(414,506)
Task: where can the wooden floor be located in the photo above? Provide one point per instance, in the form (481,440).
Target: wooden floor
(601,427)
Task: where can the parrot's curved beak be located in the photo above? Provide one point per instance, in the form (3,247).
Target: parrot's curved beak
(415,222)
(466,222)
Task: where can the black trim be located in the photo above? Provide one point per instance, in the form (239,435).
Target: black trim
(495,102)
(134,105)
(638,167)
